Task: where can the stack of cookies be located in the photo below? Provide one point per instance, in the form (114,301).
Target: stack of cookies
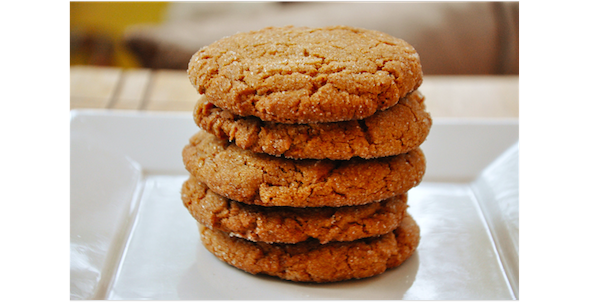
(308,145)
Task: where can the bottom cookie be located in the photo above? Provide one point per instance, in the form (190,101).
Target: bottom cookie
(310,261)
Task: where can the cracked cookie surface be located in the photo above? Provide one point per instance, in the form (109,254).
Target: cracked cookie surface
(304,75)
(396,130)
(261,179)
(291,225)
(311,261)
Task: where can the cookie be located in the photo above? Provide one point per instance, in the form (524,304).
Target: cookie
(396,130)
(306,75)
(291,225)
(261,179)
(311,261)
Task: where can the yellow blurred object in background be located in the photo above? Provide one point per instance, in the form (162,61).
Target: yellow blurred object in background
(96,30)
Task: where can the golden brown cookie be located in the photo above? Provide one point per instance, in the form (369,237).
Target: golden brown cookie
(305,75)
(291,225)
(396,130)
(311,261)
(261,179)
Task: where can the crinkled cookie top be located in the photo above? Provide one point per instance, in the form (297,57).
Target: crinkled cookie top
(306,75)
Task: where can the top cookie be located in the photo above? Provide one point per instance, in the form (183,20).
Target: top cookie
(306,75)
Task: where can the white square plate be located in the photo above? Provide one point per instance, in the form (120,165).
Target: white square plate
(132,239)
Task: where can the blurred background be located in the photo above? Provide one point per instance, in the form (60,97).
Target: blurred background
(465,38)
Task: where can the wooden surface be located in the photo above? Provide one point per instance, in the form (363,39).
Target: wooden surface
(170,90)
